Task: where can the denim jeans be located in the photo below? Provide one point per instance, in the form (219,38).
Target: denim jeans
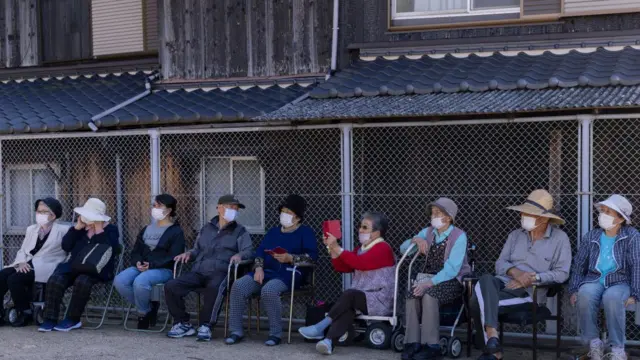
(135,286)
(590,297)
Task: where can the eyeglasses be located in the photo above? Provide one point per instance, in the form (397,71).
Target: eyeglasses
(364,227)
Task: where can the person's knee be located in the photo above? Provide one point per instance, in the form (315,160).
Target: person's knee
(486,279)
(141,284)
(588,298)
(170,286)
(613,301)
(269,294)
(14,281)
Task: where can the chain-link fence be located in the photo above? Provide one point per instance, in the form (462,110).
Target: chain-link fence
(483,166)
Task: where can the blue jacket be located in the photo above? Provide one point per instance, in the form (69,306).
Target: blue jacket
(626,253)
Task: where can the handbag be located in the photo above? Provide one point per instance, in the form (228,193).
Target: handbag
(92,259)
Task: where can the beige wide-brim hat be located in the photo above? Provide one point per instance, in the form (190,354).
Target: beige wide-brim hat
(539,203)
(93,210)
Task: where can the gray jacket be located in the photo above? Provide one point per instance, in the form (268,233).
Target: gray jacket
(214,246)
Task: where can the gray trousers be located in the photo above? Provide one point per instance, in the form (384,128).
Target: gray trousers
(490,298)
(428,310)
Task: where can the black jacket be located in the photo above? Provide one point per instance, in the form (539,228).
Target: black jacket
(76,240)
(170,245)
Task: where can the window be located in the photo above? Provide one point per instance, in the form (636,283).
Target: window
(25,184)
(241,176)
(416,9)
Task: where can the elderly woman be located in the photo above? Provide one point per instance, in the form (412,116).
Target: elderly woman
(373,283)
(606,272)
(439,283)
(92,229)
(152,258)
(38,256)
(272,273)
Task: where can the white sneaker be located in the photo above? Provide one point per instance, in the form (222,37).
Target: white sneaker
(596,350)
(616,355)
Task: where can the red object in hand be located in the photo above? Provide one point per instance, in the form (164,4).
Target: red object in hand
(277,250)
(332,227)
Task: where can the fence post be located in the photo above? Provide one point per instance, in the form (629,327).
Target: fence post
(347,198)
(585,196)
(2,205)
(154,135)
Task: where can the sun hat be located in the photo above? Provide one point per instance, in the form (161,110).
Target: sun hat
(93,210)
(619,204)
(539,203)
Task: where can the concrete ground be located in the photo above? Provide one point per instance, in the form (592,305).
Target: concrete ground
(113,342)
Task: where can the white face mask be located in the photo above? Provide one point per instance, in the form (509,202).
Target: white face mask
(286,220)
(158,214)
(528,223)
(230,214)
(42,219)
(605,221)
(437,223)
(364,237)
(86,221)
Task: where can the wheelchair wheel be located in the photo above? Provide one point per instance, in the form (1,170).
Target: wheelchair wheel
(378,335)
(444,345)
(348,338)
(397,341)
(12,315)
(38,315)
(454,348)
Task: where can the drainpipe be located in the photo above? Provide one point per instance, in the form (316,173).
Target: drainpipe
(334,39)
(147,91)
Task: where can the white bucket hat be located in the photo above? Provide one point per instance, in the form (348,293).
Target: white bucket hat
(619,204)
(93,210)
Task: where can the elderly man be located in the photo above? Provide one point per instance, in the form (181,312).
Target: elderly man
(220,242)
(538,253)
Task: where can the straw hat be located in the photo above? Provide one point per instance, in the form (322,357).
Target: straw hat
(93,210)
(539,203)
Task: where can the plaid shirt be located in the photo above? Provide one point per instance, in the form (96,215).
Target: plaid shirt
(626,253)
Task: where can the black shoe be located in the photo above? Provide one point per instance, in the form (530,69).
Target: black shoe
(2,322)
(493,346)
(153,314)
(22,319)
(410,350)
(143,322)
(428,352)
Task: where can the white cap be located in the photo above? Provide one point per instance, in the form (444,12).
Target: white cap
(619,204)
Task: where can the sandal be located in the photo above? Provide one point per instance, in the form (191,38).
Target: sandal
(233,339)
(273,341)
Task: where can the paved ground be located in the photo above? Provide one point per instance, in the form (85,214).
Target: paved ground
(113,342)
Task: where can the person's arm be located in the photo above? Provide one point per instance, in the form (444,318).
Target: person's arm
(176,248)
(559,272)
(634,261)
(503,264)
(580,266)
(136,253)
(454,262)
(109,236)
(245,246)
(258,262)
(340,266)
(196,246)
(70,238)
(379,256)
(309,249)
(21,255)
(405,245)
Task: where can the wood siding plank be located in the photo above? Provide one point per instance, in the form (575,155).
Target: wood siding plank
(584,6)
(541,7)
(66,30)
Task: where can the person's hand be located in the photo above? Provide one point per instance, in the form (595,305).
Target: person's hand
(142,266)
(573,299)
(183,258)
(514,284)
(23,268)
(258,275)
(526,279)
(235,259)
(329,240)
(284,258)
(630,301)
(98,227)
(420,288)
(421,243)
(79,224)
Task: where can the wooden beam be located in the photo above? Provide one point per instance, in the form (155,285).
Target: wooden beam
(29,30)
(12,41)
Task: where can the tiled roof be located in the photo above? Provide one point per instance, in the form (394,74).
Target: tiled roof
(68,103)
(473,73)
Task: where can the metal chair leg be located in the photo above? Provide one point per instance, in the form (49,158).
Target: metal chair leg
(198,307)
(258,316)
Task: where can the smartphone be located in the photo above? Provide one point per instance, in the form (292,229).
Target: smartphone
(332,227)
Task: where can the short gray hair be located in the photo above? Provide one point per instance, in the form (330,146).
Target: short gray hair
(379,221)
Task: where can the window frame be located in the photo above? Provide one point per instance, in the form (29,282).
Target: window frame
(467,13)
(21,230)
(257,230)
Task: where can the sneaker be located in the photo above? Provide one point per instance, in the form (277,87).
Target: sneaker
(181,330)
(596,350)
(67,325)
(410,350)
(311,333)
(428,352)
(22,319)
(204,333)
(143,322)
(616,355)
(324,347)
(47,326)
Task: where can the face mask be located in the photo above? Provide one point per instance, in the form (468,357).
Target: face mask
(230,214)
(286,220)
(42,219)
(86,221)
(605,221)
(158,214)
(437,223)
(528,223)
(364,237)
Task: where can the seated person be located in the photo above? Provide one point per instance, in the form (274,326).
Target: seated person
(91,228)
(152,259)
(272,273)
(220,242)
(538,253)
(372,285)
(606,273)
(40,253)
(445,247)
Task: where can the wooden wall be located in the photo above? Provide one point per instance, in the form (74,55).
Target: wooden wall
(66,30)
(237,38)
(19,33)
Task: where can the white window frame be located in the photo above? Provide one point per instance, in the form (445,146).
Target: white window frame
(445,14)
(21,230)
(259,230)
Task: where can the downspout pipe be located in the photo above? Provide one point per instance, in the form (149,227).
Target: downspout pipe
(147,85)
(334,39)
